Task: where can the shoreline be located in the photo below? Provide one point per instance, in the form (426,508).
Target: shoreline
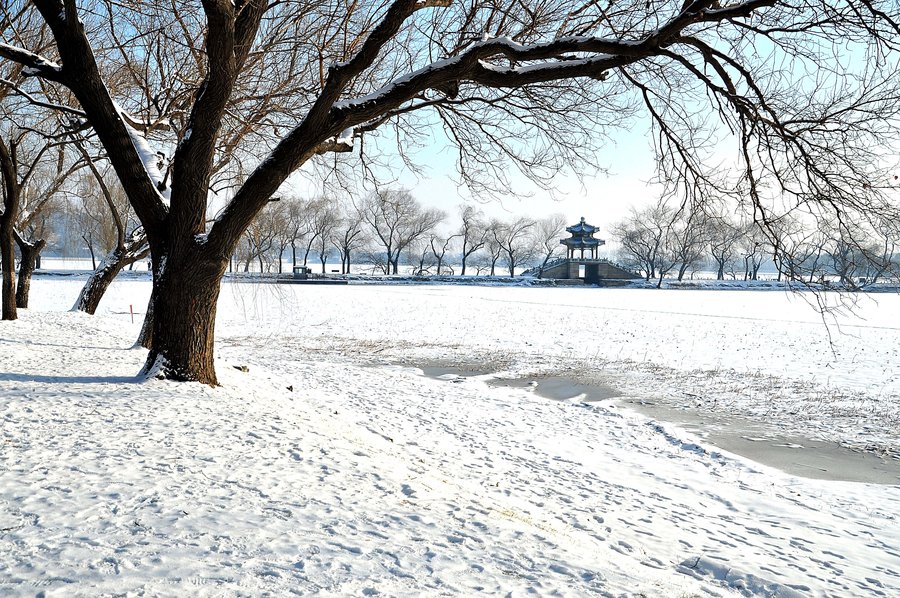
(760,442)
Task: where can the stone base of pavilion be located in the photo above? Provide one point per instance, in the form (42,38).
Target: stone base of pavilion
(588,270)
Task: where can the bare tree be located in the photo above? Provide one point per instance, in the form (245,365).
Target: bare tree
(281,222)
(879,256)
(724,237)
(439,248)
(539,89)
(753,246)
(326,220)
(299,225)
(516,242)
(420,256)
(690,236)
(105,217)
(643,236)
(493,247)
(397,219)
(12,191)
(473,232)
(262,238)
(546,235)
(348,235)
(29,185)
(32,233)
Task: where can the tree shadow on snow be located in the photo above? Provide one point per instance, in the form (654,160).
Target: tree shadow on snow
(8,377)
(63,345)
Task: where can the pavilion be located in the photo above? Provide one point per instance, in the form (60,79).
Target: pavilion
(582,239)
(582,264)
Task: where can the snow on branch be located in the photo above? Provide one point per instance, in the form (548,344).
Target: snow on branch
(35,64)
(474,64)
(149,158)
(341,144)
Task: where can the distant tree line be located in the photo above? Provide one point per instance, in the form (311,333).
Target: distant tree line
(88,215)
(390,227)
(665,240)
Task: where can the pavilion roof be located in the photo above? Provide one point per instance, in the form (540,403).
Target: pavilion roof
(582,228)
(579,242)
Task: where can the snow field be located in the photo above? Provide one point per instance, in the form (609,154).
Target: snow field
(371,479)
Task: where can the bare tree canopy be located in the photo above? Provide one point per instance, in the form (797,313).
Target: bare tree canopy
(397,219)
(804,91)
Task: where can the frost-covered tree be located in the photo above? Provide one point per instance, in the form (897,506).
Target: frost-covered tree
(534,86)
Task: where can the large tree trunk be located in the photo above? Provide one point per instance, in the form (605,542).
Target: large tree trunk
(184,315)
(31,255)
(8,257)
(145,338)
(96,286)
(11,198)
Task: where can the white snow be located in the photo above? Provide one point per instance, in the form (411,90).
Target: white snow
(36,58)
(346,137)
(149,157)
(369,478)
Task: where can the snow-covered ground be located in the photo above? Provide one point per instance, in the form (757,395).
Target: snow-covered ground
(334,466)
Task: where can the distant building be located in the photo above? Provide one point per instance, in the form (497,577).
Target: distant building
(589,269)
(582,239)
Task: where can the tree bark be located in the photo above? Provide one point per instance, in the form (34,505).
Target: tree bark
(8,257)
(11,200)
(145,338)
(31,255)
(184,314)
